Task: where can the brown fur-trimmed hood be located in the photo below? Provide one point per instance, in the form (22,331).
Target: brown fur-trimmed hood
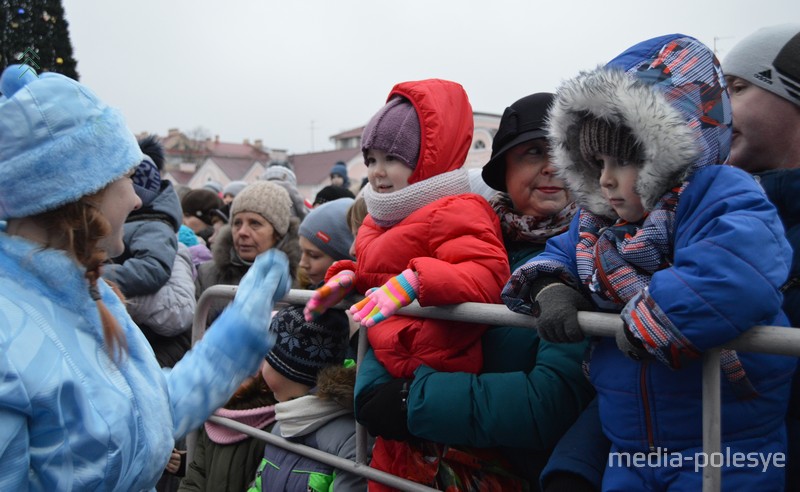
(337,383)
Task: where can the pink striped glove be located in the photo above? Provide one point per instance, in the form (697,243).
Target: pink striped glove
(329,294)
(383,302)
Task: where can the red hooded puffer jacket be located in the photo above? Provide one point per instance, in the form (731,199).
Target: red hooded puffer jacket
(454,244)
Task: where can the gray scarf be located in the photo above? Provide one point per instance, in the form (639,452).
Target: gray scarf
(387,209)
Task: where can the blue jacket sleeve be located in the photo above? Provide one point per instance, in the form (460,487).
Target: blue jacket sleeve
(557,260)
(729,246)
(371,373)
(204,379)
(583,450)
(539,402)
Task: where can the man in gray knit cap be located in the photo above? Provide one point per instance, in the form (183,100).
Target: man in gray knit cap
(763,75)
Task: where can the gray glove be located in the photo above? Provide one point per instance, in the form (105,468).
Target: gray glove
(632,347)
(266,282)
(555,308)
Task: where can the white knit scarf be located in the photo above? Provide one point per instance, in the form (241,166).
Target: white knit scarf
(387,209)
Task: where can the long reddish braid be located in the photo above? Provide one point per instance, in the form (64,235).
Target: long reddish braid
(82,225)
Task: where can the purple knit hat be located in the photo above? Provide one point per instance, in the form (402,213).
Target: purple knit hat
(394,130)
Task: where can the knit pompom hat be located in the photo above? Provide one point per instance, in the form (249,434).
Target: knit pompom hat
(303,348)
(769,58)
(58,142)
(147,181)
(269,200)
(395,130)
(326,228)
(598,136)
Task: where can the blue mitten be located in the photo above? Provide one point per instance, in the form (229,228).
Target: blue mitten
(266,282)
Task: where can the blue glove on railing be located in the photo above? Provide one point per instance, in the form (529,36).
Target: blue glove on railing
(266,282)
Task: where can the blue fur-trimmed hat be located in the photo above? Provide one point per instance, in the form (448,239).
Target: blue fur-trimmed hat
(303,348)
(58,142)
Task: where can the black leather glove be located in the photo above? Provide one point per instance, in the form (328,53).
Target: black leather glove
(555,307)
(632,347)
(383,410)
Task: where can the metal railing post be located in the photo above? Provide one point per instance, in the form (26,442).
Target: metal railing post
(326,458)
(712,417)
(764,339)
(362,438)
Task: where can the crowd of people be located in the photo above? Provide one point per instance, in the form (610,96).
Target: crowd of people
(660,186)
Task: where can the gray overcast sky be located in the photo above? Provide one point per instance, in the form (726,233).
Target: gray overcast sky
(266,69)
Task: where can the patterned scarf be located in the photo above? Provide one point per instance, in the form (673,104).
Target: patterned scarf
(387,209)
(528,228)
(616,261)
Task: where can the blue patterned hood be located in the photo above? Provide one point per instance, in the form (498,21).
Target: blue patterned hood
(670,92)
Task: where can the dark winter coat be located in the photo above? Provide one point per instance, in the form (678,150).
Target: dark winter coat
(230,467)
(783,188)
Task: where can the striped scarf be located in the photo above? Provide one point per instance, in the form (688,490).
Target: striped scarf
(616,261)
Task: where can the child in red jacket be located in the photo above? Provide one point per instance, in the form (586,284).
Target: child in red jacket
(427,237)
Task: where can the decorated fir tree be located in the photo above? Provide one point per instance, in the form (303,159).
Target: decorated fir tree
(36,32)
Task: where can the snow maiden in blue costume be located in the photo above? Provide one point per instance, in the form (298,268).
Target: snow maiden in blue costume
(701,262)
(83,402)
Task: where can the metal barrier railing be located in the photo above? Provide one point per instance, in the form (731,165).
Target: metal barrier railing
(765,339)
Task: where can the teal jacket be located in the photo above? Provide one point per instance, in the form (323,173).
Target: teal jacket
(528,394)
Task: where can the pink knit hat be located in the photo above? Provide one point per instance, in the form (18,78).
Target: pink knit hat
(394,130)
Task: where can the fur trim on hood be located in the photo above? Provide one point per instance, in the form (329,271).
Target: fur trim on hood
(670,92)
(337,383)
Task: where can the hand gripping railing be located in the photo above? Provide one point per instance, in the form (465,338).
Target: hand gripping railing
(766,339)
